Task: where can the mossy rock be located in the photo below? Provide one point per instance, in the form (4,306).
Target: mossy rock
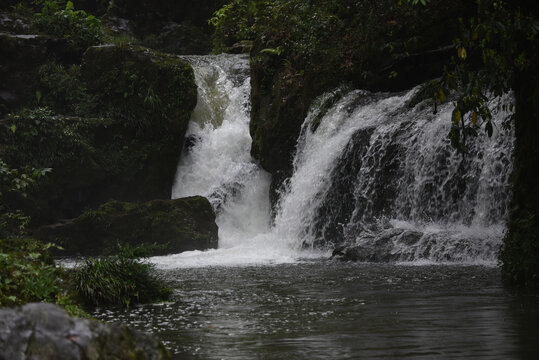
(45,331)
(153,93)
(174,26)
(20,58)
(178,225)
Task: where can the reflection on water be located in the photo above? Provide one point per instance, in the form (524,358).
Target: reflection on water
(326,310)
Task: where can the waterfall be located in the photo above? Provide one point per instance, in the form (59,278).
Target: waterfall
(372,175)
(382,179)
(216,163)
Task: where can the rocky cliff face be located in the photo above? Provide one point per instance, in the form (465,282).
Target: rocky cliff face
(125,147)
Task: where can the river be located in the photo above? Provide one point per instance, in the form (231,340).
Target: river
(321,309)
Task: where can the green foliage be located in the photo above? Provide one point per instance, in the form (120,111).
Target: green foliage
(27,274)
(494,47)
(41,138)
(422,2)
(14,221)
(63,90)
(121,279)
(80,29)
(150,92)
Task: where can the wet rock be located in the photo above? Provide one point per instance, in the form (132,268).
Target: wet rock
(179,225)
(45,331)
(384,247)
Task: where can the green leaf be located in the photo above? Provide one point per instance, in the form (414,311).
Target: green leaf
(70,6)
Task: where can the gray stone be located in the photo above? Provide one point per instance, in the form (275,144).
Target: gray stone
(41,331)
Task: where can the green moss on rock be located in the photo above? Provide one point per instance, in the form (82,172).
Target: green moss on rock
(153,93)
(179,225)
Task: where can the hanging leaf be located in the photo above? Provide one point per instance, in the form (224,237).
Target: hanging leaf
(442,96)
(474,118)
(462,53)
(456,116)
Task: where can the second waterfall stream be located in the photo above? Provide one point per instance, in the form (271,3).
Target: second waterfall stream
(371,174)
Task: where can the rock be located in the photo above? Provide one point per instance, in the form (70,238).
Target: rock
(45,331)
(174,26)
(152,92)
(182,225)
(20,58)
(384,247)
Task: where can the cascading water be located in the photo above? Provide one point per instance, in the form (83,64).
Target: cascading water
(370,174)
(216,163)
(381,179)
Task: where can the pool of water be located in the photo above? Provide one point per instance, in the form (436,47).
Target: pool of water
(330,310)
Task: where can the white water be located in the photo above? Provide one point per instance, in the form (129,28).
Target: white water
(218,166)
(341,181)
(383,178)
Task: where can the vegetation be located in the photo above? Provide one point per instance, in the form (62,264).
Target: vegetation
(119,113)
(121,279)
(78,28)
(27,272)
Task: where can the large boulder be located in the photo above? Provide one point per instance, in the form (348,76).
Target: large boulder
(45,331)
(178,225)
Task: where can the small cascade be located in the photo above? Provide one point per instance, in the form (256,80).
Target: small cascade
(216,161)
(382,180)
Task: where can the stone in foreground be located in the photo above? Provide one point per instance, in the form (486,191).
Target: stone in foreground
(44,331)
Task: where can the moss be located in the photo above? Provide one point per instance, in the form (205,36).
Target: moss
(151,92)
(178,225)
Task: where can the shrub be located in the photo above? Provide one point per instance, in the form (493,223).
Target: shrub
(120,279)
(62,89)
(80,29)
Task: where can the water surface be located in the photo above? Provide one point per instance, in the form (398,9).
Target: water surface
(327,310)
